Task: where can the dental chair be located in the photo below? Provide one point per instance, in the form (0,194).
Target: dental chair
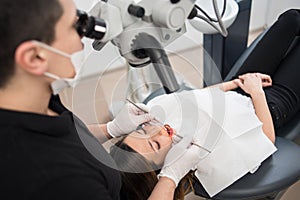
(292,129)
(279,171)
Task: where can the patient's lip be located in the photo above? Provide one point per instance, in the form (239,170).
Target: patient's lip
(175,138)
(169,129)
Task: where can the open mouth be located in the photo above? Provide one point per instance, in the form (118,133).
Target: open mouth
(169,129)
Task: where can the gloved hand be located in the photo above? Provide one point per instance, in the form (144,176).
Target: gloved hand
(186,162)
(128,119)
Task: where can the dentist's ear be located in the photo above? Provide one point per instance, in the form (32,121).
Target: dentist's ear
(31,58)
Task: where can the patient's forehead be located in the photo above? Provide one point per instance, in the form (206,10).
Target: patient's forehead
(139,144)
(145,132)
(149,139)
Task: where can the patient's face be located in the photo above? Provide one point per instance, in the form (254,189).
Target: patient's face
(153,142)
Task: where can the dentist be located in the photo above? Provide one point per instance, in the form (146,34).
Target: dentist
(45,151)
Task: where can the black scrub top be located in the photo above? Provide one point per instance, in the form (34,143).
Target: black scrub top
(46,157)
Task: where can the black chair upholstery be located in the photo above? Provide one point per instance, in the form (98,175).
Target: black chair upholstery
(279,171)
(292,129)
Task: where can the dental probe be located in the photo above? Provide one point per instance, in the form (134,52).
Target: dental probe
(201,147)
(145,111)
(175,138)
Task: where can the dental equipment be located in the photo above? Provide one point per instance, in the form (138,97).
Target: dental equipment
(122,21)
(145,111)
(175,138)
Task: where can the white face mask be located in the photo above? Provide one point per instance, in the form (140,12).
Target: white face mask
(77,59)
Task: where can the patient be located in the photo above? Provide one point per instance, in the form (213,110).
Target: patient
(201,125)
(265,95)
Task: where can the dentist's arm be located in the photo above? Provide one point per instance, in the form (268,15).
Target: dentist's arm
(170,175)
(164,189)
(100,132)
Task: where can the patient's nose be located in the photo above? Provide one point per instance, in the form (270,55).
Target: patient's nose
(162,132)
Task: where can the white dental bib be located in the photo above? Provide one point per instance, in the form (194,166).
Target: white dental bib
(224,124)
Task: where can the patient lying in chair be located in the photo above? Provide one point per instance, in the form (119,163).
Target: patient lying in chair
(223,124)
(234,129)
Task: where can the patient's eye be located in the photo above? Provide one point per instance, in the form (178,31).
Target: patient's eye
(141,131)
(155,146)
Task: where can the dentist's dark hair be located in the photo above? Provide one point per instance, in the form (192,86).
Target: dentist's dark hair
(139,185)
(23,20)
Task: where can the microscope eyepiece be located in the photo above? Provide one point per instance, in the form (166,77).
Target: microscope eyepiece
(90,26)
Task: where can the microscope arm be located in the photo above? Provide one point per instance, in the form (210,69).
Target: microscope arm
(126,20)
(145,45)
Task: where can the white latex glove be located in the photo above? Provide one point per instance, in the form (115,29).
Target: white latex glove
(128,119)
(186,162)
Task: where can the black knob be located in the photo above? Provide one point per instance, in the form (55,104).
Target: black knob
(174,1)
(193,13)
(136,11)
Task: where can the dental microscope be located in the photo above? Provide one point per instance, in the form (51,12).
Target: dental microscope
(142,29)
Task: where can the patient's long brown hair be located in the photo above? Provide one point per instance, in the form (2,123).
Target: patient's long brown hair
(139,185)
